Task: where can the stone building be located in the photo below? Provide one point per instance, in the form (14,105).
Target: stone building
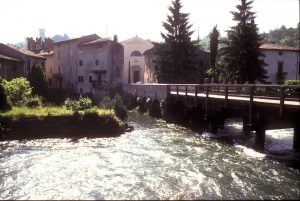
(39,44)
(283,62)
(134,61)
(88,64)
(17,62)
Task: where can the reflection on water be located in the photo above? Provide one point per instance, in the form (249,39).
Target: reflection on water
(155,161)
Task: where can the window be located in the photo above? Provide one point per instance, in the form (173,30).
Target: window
(81,91)
(80,78)
(97,62)
(136,54)
(58,54)
(80,63)
(50,81)
(90,78)
(50,70)
(280,67)
(280,53)
(59,69)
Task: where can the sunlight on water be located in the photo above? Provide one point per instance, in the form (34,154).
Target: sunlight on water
(155,161)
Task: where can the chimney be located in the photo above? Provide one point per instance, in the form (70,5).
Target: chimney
(115,38)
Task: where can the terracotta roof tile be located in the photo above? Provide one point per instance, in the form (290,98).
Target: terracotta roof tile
(277,47)
(27,52)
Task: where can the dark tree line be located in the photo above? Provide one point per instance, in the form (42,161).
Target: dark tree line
(283,36)
(240,56)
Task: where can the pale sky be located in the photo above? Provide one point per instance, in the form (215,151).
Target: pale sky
(126,18)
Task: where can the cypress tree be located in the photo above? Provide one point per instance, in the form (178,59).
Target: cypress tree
(214,42)
(38,80)
(175,62)
(242,56)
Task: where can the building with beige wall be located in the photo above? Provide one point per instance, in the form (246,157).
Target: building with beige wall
(134,61)
(283,62)
(89,64)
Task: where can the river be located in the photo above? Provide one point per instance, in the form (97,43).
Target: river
(155,161)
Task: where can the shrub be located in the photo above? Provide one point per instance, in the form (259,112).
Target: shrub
(33,101)
(17,91)
(294,91)
(106,103)
(292,82)
(85,103)
(119,107)
(76,105)
(4,105)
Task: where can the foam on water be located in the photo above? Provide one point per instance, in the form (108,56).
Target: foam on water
(155,161)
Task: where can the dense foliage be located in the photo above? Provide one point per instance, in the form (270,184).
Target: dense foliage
(214,42)
(4,105)
(242,57)
(82,103)
(119,107)
(283,36)
(38,81)
(175,62)
(18,91)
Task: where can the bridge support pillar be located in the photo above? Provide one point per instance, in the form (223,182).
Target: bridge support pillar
(246,125)
(260,135)
(296,143)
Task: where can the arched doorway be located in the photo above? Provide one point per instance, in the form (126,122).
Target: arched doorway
(136,71)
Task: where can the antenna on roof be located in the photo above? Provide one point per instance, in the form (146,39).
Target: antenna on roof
(198,35)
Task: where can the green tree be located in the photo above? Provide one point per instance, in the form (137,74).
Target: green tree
(38,80)
(242,54)
(18,91)
(4,105)
(214,42)
(175,62)
(283,36)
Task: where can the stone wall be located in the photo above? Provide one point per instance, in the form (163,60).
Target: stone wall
(147,90)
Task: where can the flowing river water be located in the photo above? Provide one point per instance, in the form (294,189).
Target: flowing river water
(155,161)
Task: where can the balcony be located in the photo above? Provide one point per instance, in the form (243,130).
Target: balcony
(99,84)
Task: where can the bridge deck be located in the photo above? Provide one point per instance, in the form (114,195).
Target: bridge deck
(240,98)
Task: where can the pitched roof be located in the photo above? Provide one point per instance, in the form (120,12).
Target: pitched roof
(136,38)
(277,47)
(100,40)
(26,52)
(74,39)
(8,58)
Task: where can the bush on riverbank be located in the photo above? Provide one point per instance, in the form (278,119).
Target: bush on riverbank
(4,105)
(59,122)
(82,103)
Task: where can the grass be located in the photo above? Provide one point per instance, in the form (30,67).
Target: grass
(50,110)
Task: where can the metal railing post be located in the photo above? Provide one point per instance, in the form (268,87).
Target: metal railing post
(226,96)
(251,94)
(281,101)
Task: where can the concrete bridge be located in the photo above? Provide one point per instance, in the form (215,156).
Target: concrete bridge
(262,107)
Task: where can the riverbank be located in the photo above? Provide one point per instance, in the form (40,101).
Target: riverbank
(58,122)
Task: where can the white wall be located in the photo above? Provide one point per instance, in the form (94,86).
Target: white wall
(130,45)
(290,65)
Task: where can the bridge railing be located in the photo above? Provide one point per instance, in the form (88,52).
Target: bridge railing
(266,91)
